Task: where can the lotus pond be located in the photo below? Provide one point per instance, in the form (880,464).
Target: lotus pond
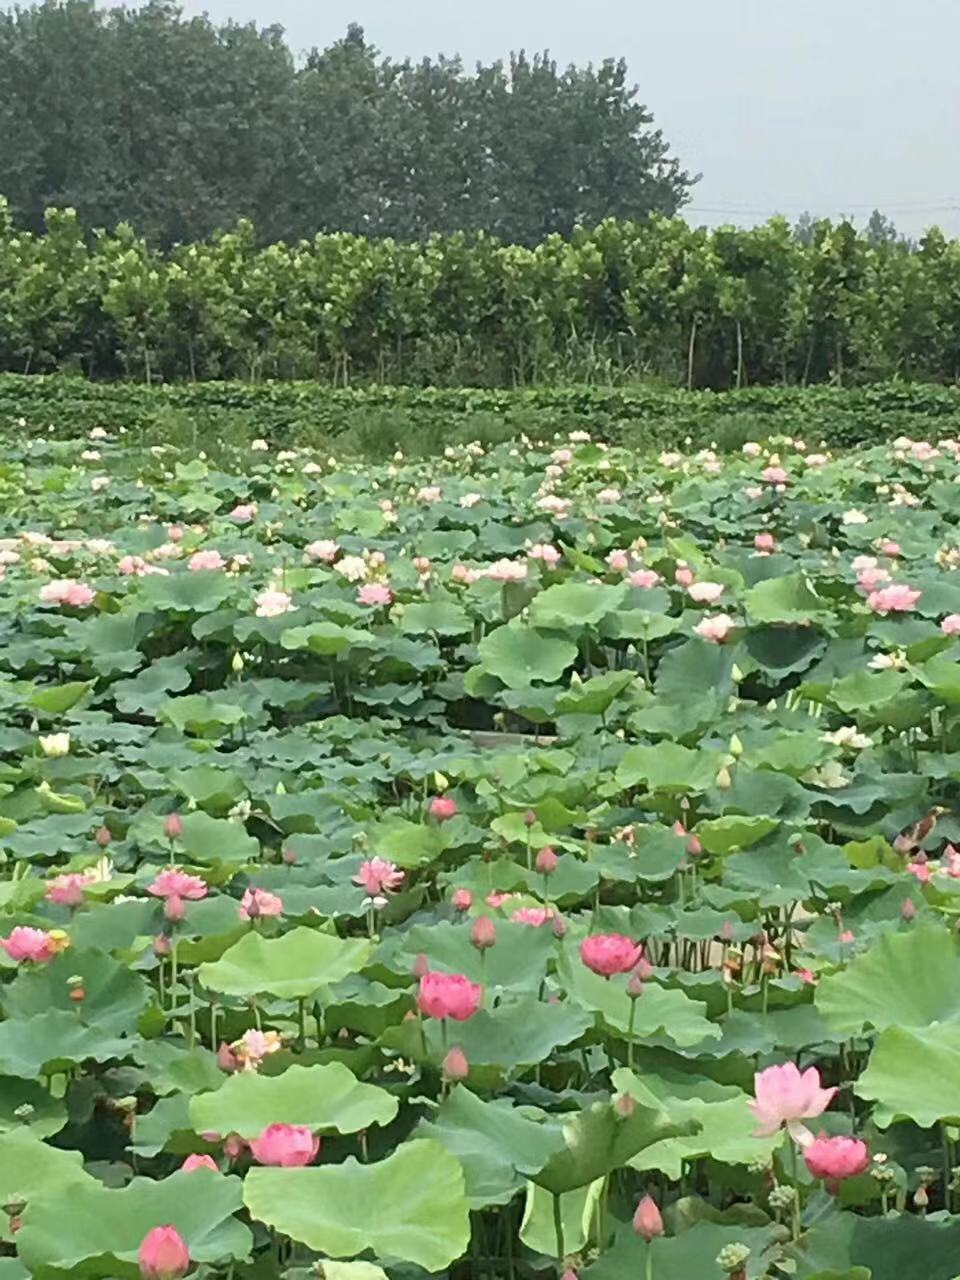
(531,862)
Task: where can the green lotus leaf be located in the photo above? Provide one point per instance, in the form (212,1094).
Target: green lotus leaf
(325,1097)
(518,655)
(422,1213)
(295,965)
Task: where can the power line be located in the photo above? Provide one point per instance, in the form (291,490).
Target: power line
(853,207)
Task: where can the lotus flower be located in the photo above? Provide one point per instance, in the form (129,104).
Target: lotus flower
(834,1159)
(199,1162)
(448,995)
(258,902)
(378,875)
(24,943)
(610,953)
(785,1096)
(442,808)
(288,1145)
(174,883)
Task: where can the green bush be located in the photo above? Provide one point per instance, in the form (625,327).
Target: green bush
(375,421)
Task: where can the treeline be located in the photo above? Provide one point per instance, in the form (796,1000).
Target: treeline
(622,302)
(181,127)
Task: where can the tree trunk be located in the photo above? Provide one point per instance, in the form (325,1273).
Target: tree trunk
(691,353)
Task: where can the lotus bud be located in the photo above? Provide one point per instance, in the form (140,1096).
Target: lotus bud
(440,782)
(280,789)
(103,836)
(237,664)
(234,1147)
(529,818)
(289,857)
(647,1221)
(226,1058)
(736,747)
(559,926)
(483,934)
(624,1104)
(420,966)
(546,862)
(694,846)
(575,680)
(635,986)
(909,909)
(736,673)
(55,745)
(462,899)
(173,826)
(723,779)
(163,1254)
(161,945)
(455,1066)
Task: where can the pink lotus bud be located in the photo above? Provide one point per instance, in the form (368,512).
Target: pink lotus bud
(635,986)
(420,966)
(909,909)
(694,847)
(226,1058)
(455,1066)
(529,818)
(891,549)
(462,899)
(289,857)
(683,576)
(726,933)
(285,1146)
(161,945)
(559,926)
(764,542)
(173,908)
(442,808)
(484,933)
(624,1104)
(234,1147)
(199,1162)
(163,1254)
(647,1221)
(174,533)
(103,836)
(546,862)
(173,826)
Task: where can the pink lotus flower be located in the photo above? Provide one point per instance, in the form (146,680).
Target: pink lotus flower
(496,900)
(774,475)
(199,1162)
(175,532)
(324,550)
(174,883)
(715,629)
(206,560)
(891,548)
(243,512)
(644,578)
(610,953)
(950,626)
(462,900)
(785,1096)
(509,570)
(374,593)
(448,995)
(834,1159)
(647,1221)
(163,1254)
(896,599)
(25,943)
(65,591)
(256,903)
(683,575)
(442,808)
(547,553)
(705,592)
(378,875)
(609,495)
(765,543)
(463,573)
(921,870)
(872,579)
(290,1146)
(68,890)
(534,916)
(806,976)
(618,561)
(274,604)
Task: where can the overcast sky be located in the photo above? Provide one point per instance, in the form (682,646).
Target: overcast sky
(835,106)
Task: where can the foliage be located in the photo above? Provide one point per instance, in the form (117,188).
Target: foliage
(616,303)
(180,127)
(453,717)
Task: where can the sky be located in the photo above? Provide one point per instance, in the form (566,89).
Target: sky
(831,106)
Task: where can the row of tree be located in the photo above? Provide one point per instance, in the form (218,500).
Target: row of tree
(626,300)
(181,127)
